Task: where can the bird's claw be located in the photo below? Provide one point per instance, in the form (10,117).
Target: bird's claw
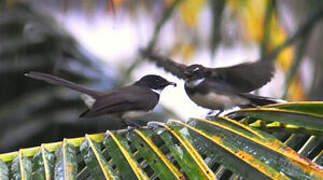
(131,124)
(212,113)
(152,126)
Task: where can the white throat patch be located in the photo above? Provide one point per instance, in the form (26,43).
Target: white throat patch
(195,82)
(158,91)
(195,69)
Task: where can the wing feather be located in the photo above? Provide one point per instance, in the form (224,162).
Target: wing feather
(124,99)
(245,77)
(166,63)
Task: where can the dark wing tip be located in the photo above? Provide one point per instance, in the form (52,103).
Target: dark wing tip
(83,114)
(166,63)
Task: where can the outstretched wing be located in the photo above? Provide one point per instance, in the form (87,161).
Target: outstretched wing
(245,77)
(168,64)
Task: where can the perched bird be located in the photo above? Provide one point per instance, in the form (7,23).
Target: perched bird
(221,88)
(126,102)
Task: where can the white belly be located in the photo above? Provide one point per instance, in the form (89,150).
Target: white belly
(218,101)
(133,114)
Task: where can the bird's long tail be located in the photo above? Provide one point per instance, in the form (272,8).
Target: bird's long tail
(62,82)
(261,101)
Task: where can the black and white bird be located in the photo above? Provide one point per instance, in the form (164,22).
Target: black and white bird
(221,88)
(126,102)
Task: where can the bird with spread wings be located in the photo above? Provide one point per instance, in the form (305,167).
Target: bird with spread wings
(221,88)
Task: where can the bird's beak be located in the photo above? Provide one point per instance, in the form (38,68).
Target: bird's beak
(172,83)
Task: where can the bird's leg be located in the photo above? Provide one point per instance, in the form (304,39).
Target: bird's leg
(211,112)
(218,113)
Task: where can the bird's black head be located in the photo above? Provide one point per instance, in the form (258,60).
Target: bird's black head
(154,82)
(195,71)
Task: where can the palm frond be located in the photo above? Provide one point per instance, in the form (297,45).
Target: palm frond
(225,147)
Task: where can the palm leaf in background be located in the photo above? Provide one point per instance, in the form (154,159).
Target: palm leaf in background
(32,40)
(227,147)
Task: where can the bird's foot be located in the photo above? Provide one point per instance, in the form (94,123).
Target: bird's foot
(132,124)
(218,113)
(212,114)
(152,126)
